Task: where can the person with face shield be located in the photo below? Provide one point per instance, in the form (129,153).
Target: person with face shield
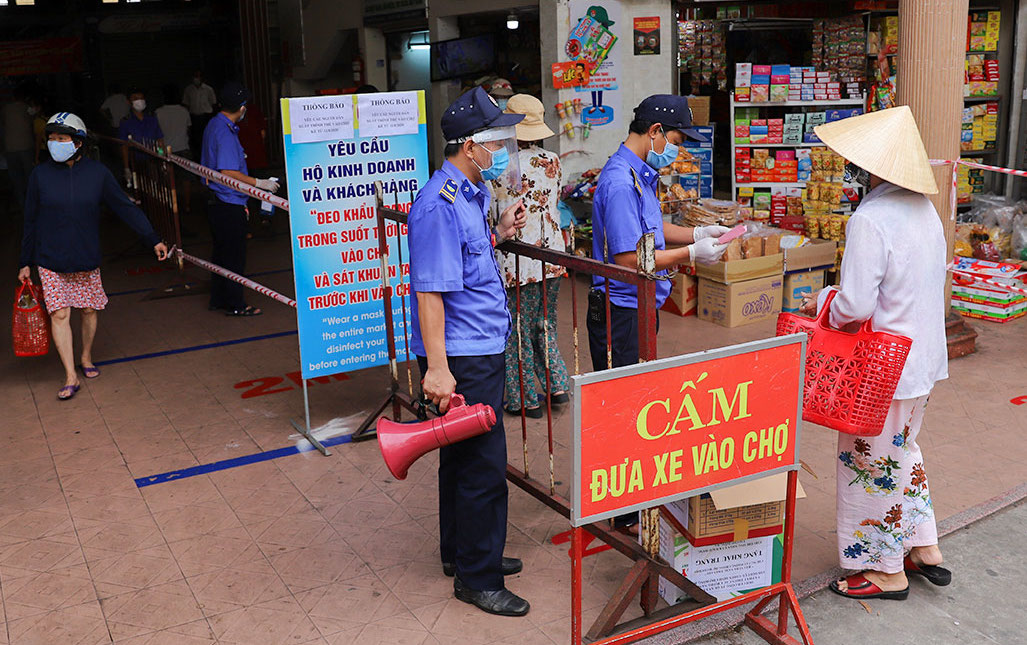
(62,239)
(460,328)
(140,126)
(893,273)
(625,208)
(501,90)
(226,210)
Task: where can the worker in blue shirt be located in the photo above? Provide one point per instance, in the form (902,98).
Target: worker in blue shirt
(625,207)
(140,126)
(226,211)
(460,326)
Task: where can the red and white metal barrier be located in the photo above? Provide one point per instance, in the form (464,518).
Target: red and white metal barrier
(244,281)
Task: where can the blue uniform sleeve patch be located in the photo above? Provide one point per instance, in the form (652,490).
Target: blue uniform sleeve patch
(449,190)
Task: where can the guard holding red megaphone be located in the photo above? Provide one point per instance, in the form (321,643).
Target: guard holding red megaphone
(460,326)
(404,443)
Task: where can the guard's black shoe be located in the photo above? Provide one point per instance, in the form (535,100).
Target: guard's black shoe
(509,567)
(501,602)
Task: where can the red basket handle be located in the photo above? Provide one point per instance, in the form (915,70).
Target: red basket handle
(21,290)
(823,320)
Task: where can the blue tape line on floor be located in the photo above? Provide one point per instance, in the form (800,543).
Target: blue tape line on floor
(195,348)
(203,469)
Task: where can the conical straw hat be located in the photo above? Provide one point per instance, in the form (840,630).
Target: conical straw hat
(885,143)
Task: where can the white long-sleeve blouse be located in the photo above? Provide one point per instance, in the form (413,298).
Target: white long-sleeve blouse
(894,271)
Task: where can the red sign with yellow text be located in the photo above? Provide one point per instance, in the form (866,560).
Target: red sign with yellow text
(656,432)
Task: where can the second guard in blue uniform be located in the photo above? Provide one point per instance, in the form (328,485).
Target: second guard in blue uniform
(626,207)
(460,327)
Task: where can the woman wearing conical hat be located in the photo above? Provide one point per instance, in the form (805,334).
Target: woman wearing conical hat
(893,272)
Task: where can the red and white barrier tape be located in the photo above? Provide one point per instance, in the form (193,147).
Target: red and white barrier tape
(213,175)
(234,184)
(246,282)
(954,196)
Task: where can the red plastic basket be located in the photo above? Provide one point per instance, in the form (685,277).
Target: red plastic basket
(850,378)
(30,324)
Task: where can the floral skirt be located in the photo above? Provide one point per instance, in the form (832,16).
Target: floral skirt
(81,290)
(537,352)
(884,505)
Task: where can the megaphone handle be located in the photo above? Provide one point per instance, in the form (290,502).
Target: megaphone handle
(456,400)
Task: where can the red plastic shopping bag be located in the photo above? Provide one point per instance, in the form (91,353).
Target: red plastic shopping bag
(30,324)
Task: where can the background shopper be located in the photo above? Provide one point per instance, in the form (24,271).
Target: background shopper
(62,238)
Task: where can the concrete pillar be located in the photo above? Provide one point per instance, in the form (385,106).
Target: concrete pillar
(372,48)
(932,59)
(442,93)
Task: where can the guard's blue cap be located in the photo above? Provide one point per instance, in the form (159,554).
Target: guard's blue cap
(474,110)
(671,111)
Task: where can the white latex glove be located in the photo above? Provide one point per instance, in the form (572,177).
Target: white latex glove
(270,185)
(705,232)
(706,251)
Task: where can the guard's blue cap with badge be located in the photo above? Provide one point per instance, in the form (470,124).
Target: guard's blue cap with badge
(474,110)
(671,111)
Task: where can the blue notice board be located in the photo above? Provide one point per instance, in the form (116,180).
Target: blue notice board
(336,148)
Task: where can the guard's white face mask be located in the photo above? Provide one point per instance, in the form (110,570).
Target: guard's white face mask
(139,105)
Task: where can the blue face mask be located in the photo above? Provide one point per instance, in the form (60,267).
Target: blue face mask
(500,160)
(665,158)
(501,103)
(61,151)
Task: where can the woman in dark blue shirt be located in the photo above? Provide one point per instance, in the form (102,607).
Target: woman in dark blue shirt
(62,238)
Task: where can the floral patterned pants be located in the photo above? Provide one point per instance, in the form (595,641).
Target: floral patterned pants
(534,358)
(884,505)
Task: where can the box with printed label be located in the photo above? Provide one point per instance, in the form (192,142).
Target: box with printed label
(740,303)
(800,284)
(684,295)
(739,512)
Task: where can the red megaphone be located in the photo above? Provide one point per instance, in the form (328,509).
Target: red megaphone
(403,443)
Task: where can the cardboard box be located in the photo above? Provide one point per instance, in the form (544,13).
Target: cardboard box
(799,284)
(741,270)
(700,106)
(721,570)
(995,313)
(820,253)
(740,303)
(740,512)
(684,296)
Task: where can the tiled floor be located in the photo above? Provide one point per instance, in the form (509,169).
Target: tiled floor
(312,549)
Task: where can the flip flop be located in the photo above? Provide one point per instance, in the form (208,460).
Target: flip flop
(862,589)
(935,574)
(90,372)
(67,392)
(248,311)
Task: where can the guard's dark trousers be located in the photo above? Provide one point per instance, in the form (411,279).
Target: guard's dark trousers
(228,228)
(472,479)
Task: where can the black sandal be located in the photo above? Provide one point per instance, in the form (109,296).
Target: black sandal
(560,399)
(935,574)
(531,413)
(250,310)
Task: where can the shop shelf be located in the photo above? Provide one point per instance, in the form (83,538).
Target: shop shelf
(737,104)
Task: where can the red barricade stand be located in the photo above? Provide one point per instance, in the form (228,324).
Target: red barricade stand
(607,402)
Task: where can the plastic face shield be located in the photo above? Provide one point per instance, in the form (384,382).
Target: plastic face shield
(495,139)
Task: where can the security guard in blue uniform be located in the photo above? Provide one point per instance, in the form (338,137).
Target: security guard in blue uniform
(625,207)
(460,327)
